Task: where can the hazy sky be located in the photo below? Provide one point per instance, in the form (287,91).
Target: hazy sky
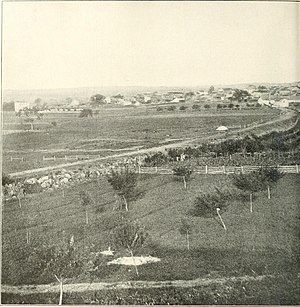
(74,44)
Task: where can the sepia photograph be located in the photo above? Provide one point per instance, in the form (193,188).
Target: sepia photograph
(150,153)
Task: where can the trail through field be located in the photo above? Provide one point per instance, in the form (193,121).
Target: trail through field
(82,287)
(286,115)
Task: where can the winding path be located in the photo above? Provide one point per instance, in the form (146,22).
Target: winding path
(286,115)
(82,287)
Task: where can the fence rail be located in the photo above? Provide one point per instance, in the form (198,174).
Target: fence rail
(71,157)
(214,170)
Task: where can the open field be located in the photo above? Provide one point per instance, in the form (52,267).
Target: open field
(264,242)
(115,130)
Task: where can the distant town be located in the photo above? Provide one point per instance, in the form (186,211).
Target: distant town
(252,96)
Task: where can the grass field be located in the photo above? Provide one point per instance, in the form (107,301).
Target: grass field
(114,129)
(264,242)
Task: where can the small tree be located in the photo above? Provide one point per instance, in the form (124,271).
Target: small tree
(209,205)
(86,201)
(270,176)
(184,172)
(251,183)
(130,236)
(185,229)
(124,183)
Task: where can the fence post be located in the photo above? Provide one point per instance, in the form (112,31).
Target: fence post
(297,168)
(224,169)
(139,168)
(242,169)
(53,158)
(206,169)
(22,159)
(66,158)
(11,158)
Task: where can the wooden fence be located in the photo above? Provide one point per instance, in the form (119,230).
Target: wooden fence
(214,170)
(71,157)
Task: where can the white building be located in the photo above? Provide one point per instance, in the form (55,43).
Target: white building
(20,105)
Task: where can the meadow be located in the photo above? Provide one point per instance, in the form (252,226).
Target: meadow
(259,243)
(113,130)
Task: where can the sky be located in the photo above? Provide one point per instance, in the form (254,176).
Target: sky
(89,44)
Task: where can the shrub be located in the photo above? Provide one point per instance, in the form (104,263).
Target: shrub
(54,123)
(6,179)
(159,109)
(182,108)
(207,106)
(171,108)
(195,107)
(86,113)
(206,204)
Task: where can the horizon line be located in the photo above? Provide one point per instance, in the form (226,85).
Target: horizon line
(154,86)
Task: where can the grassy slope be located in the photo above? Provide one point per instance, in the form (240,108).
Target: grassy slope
(263,242)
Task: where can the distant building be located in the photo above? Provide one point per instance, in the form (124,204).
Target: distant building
(20,105)
(222,129)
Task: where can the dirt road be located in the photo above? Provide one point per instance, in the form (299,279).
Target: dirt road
(286,115)
(82,287)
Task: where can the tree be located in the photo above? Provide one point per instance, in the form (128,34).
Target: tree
(271,175)
(184,172)
(49,262)
(124,182)
(86,201)
(211,89)
(240,95)
(185,229)
(86,113)
(97,99)
(130,236)
(252,182)
(209,205)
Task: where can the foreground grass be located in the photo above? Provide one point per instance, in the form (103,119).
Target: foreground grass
(264,242)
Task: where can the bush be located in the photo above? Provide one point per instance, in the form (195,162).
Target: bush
(195,107)
(159,109)
(86,113)
(182,108)
(207,106)
(32,188)
(6,180)
(54,123)
(171,108)
(206,204)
